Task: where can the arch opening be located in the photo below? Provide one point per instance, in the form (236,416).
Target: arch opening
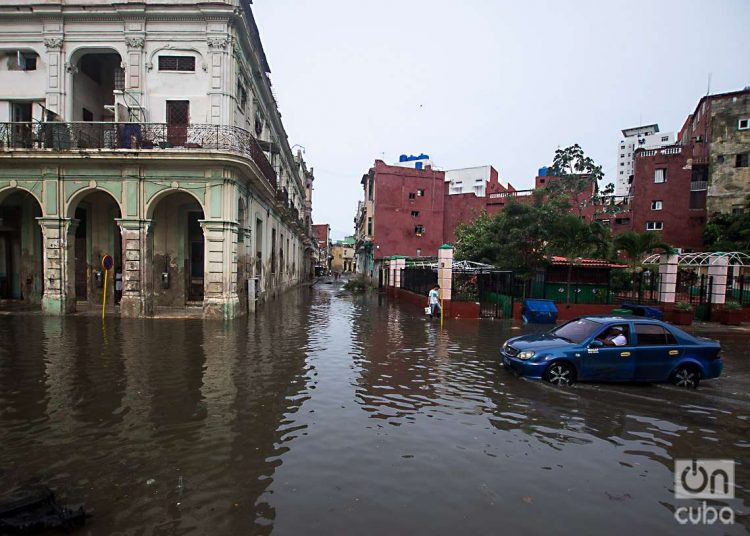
(97,77)
(21,248)
(95,234)
(177,251)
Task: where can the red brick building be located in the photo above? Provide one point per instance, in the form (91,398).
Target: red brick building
(676,188)
(410,212)
(322,233)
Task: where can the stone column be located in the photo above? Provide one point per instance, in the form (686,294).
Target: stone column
(398,263)
(137,288)
(58,241)
(717,269)
(445,271)
(219,48)
(668,278)
(54,91)
(220,298)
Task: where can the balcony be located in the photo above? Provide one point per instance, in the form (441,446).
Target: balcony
(78,136)
(698,186)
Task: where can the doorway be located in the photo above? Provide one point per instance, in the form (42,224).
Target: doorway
(195,271)
(178,119)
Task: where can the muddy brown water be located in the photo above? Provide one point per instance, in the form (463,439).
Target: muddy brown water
(328,413)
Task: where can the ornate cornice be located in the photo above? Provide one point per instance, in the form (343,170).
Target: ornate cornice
(135,42)
(219,42)
(53,43)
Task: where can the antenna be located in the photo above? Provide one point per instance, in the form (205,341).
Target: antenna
(708,87)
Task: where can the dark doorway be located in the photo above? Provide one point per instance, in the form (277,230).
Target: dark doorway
(21,117)
(195,262)
(178,119)
(81,275)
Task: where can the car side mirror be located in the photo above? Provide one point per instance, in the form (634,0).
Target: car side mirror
(596,344)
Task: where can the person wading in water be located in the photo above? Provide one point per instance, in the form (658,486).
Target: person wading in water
(434,301)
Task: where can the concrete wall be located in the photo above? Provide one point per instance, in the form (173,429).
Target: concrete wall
(729,184)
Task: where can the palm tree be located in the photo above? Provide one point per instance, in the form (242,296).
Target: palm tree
(573,238)
(637,245)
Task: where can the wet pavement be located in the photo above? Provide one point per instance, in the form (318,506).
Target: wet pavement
(332,413)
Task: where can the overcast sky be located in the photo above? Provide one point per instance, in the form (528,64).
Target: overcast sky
(474,82)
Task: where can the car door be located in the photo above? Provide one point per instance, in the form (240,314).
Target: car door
(656,352)
(610,363)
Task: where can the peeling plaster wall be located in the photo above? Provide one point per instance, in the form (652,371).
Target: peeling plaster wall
(170,248)
(728,184)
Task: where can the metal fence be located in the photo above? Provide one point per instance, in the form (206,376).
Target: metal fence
(418,279)
(641,288)
(74,136)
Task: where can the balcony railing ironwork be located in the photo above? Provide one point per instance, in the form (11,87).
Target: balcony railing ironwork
(77,136)
(697,186)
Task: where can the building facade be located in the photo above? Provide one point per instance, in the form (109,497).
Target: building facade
(643,137)
(147,132)
(322,234)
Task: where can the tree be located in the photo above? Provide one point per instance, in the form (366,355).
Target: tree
(729,232)
(573,238)
(577,174)
(514,239)
(637,245)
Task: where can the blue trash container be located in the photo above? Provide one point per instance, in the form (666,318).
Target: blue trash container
(644,310)
(539,311)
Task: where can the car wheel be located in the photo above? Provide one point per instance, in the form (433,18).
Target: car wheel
(686,376)
(560,373)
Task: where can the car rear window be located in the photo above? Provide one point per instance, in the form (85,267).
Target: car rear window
(576,330)
(653,335)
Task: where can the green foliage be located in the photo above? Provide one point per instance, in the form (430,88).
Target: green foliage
(732,306)
(514,239)
(577,173)
(355,285)
(637,245)
(682,306)
(728,232)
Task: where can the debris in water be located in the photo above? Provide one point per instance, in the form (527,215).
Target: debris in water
(37,511)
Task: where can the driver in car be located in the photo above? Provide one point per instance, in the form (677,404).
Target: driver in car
(614,336)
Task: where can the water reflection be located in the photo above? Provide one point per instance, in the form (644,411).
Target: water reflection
(332,413)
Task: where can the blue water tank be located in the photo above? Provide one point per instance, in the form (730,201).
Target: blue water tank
(418,165)
(543,171)
(403,158)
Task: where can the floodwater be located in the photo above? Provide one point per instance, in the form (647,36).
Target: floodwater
(328,413)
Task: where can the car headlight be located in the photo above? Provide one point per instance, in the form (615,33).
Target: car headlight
(526,355)
(505,345)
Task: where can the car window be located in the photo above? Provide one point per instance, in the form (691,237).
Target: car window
(610,335)
(576,330)
(653,335)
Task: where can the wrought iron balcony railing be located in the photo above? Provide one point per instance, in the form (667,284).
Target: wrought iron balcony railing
(77,136)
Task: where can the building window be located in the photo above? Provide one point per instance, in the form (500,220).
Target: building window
(19,61)
(369,226)
(660,175)
(654,225)
(177,63)
(741,160)
(743,124)
(665,138)
(241,95)
(420,193)
(419,230)
(621,172)
(656,205)
(412,195)
(419,252)
(622,163)
(415,213)
(622,221)
(622,155)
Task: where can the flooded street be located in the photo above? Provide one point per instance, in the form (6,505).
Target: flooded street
(332,413)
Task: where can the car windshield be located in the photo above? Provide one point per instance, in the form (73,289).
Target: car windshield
(577,330)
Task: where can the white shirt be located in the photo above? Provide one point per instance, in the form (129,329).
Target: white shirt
(619,340)
(434,297)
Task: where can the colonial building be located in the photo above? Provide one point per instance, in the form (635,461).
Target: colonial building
(322,234)
(148,132)
(342,252)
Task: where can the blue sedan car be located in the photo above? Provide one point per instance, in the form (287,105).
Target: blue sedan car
(614,349)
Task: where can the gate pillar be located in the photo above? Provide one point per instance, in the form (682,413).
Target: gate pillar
(717,269)
(445,271)
(667,278)
(398,264)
